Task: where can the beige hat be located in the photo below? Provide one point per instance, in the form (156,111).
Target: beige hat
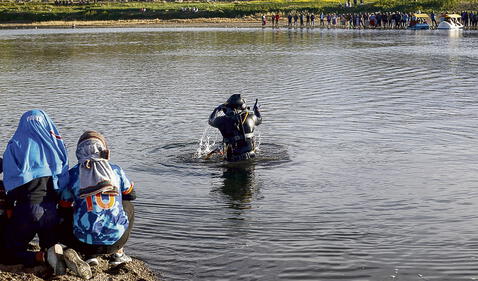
(95,135)
(92,134)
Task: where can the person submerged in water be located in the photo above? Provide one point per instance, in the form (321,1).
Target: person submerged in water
(237,127)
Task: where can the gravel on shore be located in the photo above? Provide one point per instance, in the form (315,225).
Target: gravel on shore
(136,270)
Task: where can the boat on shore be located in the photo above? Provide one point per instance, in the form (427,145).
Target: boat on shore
(450,22)
(419,22)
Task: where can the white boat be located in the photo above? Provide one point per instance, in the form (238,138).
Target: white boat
(450,21)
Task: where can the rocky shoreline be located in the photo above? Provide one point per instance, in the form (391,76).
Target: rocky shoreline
(136,270)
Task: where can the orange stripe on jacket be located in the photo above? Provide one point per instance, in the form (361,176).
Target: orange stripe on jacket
(128,191)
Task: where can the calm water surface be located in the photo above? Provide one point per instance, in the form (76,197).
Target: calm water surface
(369,144)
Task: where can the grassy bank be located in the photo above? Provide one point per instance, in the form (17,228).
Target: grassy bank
(48,11)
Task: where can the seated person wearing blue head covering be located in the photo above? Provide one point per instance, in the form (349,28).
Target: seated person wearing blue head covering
(100,194)
(35,167)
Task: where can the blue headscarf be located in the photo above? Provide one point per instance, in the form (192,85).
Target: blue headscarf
(35,150)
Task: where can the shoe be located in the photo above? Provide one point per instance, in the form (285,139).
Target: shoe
(54,257)
(120,259)
(92,261)
(76,264)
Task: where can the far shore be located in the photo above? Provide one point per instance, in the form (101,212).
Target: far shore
(245,22)
(197,22)
(93,13)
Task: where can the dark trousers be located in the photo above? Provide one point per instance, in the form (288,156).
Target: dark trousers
(3,256)
(91,250)
(27,221)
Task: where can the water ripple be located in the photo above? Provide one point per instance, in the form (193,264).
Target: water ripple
(367,168)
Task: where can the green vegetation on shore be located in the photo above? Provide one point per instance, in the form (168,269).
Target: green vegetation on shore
(47,11)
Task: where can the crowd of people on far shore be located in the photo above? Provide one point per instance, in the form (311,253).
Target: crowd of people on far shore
(385,20)
(71,3)
(190,10)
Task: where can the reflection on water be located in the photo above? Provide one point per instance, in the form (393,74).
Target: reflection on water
(239,184)
(457,33)
(367,164)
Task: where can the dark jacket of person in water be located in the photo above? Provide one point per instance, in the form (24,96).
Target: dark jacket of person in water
(237,127)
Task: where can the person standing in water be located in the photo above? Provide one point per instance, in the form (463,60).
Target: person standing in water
(237,127)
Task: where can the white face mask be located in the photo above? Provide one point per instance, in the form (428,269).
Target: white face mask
(90,149)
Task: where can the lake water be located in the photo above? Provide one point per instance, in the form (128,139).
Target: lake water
(369,143)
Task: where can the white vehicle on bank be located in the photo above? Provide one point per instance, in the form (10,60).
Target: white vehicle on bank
(450,21)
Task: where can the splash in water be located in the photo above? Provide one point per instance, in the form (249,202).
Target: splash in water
(207,143)
(257,142)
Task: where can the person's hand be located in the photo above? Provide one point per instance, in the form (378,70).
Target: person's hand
(256,107)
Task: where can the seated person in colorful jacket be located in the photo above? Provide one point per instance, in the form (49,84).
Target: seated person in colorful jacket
(100,195)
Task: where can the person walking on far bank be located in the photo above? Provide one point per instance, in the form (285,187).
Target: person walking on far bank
(433,18)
